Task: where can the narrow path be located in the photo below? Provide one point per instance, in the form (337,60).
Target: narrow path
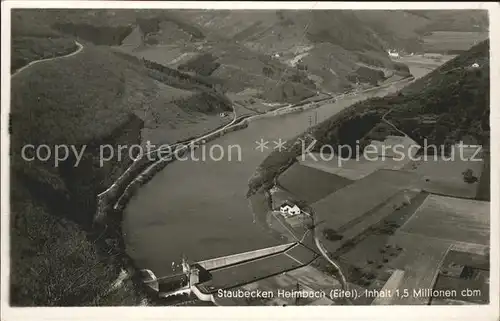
(324,253)
(392,125)
(79,45)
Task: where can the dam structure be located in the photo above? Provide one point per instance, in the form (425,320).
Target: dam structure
(205,278)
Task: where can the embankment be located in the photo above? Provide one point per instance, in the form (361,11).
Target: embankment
(142,170)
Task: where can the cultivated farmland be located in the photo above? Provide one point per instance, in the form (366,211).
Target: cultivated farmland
(354,200)
(451,219)
(378,216)
(310,184)
(445,177)
(352,169)
(420,259)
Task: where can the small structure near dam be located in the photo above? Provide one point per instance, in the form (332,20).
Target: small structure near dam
(207,279)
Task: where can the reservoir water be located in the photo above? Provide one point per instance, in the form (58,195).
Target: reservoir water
(198,209)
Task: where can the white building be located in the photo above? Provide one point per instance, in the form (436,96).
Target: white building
(475,65)
(393,54)
(289,209)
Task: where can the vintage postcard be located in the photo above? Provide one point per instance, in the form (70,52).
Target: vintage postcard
(330,160)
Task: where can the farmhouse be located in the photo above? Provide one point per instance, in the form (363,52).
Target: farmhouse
(289,209)
(393,54)
(475,65)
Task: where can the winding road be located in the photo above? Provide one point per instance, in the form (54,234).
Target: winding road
(34,62)
(391,124)
(324,253)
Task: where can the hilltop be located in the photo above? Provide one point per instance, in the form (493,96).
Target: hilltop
(309,51)
(427,30)
(456,94)
(306,51)
(274,55)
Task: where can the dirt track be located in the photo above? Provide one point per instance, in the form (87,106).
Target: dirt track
(80,48)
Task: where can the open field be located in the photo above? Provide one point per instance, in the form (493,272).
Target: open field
(470,248)
(465,271)
(446,41)
(352,169)
(392,147)
(178,130)
(309,184)
(282,229)
(378,213)
(419,250)
(451,219)
(361,166)
(356,199)
(367,253)
(418,255)
(359,255)
(445,177)
(420,259)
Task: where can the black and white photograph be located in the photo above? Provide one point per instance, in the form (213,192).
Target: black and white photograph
(204,157)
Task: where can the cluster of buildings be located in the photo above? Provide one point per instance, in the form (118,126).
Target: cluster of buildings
(289,209)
